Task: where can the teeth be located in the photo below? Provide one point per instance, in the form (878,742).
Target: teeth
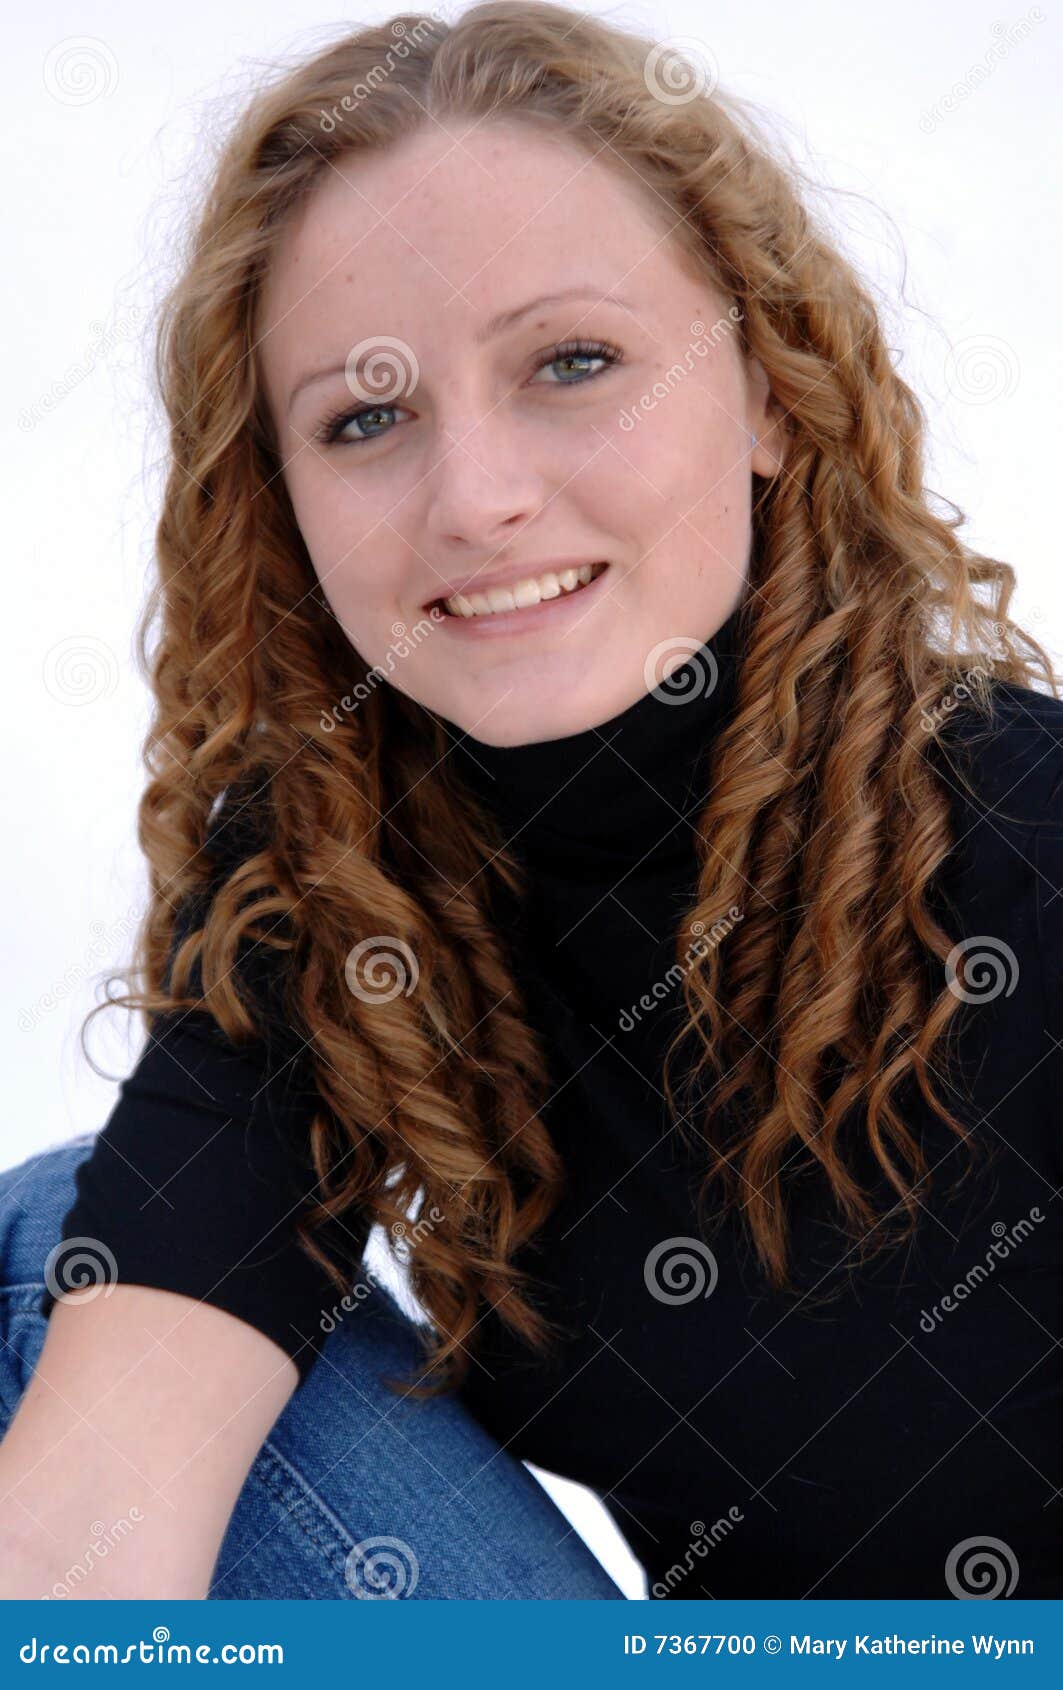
(532,590)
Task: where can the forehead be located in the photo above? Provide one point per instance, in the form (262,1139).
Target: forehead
(449,226)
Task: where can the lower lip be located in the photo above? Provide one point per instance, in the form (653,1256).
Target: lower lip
(548,612)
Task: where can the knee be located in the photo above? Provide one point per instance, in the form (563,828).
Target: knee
(34,1198)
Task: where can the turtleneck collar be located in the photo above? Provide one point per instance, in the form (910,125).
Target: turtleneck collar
(607,795)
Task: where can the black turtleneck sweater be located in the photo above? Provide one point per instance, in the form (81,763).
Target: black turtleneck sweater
(748,1443)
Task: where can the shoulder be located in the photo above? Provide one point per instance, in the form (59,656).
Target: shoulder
(237,829)
(238,824)
(1002,880)
(1004,769)
(1003,773)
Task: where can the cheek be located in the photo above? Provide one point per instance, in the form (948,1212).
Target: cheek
(685,499)
(690,465)
(343,534)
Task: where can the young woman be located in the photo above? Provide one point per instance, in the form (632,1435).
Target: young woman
(601,836)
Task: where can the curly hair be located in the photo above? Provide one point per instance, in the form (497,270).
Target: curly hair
(859,618)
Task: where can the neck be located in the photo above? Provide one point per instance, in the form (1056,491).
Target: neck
(604,821)
(607,795)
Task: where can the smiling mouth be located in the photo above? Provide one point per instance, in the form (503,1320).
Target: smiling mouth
(520,595)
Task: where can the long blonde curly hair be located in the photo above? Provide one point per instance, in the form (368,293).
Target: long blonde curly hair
(824,804)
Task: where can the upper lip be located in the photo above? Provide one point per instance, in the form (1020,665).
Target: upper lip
(505,578)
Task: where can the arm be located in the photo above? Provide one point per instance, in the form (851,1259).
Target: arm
(151,1398)
(148,1408)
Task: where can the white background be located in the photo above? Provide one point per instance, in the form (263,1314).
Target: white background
(939,121)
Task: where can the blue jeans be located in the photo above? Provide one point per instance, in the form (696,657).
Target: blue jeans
(356,1492)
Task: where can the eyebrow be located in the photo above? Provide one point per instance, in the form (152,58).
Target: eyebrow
(495,325)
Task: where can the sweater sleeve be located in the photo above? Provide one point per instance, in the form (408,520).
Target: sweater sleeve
(1048,864)
(195,1182)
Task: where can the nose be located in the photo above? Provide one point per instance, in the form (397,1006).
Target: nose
(482,491)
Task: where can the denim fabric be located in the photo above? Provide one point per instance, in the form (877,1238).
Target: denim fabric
(356,1493)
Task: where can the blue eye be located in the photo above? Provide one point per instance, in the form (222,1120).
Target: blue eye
(573,351)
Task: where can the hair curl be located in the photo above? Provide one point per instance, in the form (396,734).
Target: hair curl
(824,804)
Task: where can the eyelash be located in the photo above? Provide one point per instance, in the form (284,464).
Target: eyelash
(333,426)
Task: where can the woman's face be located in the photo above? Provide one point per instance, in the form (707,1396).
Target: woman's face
(506,436)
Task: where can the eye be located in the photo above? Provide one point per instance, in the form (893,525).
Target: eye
(332,428)
(581,351)
(569,352)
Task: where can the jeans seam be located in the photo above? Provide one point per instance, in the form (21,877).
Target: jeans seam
(322,1530)
(11,1359)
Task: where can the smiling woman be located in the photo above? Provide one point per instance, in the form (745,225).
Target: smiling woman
(553,619)
(490,448)
(560,580)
